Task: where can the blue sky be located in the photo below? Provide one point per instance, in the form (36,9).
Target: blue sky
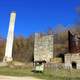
(36,15)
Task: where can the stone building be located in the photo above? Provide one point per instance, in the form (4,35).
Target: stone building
(43,47)
(72,58)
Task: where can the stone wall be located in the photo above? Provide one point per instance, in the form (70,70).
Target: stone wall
(73,43)
(72,58)
(43,47)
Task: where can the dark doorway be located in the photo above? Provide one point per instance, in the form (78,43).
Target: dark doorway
(74,65)
(61,55)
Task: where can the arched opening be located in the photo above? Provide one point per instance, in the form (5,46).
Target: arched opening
(74,65)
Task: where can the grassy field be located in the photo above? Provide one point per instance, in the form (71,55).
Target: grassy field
(48,74)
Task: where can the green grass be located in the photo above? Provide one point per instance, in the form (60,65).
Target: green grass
(48,74)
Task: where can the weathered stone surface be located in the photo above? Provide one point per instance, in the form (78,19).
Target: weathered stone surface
(74,43)
(43,48)
(70,58)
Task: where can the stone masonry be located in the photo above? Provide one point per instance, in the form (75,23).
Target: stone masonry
(72,61)
(43,47)
(72,58)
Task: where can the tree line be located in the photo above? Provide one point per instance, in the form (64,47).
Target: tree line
(23,47)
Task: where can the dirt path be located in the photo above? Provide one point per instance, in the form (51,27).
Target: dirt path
(17,78)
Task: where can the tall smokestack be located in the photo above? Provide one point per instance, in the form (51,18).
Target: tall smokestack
(10,38)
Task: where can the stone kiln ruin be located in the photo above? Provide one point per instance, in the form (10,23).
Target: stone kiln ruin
(72,59)
(43,47)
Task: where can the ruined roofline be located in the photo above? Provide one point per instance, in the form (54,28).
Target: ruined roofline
(43,34)
(74,33)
